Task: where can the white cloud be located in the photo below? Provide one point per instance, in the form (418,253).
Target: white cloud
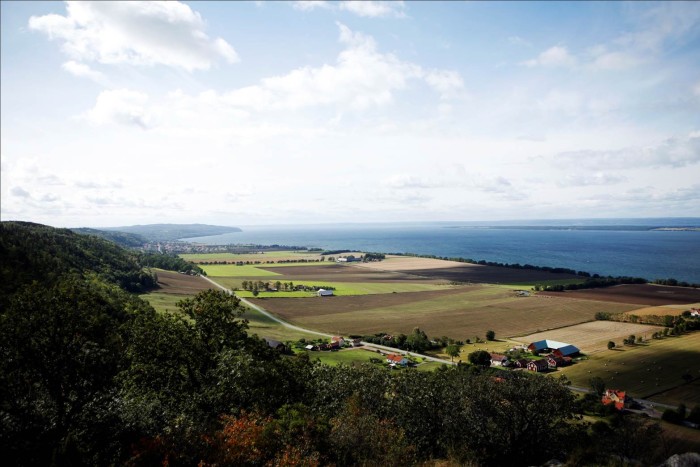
(137,33)
(367,9)
(553,57)
(362,77)
(519,41)
(615,61)
(673,152)
(596,179)
(374,9)
(405,181)
(82,70)
(20,192)
(121,106)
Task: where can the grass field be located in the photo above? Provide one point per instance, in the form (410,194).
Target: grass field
(643,370)
(594,336)
(347,357)
(459,313)
(163,302)
(231,270)
(688,393)
(342,289)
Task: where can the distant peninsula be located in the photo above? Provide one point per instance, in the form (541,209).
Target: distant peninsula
(172,232)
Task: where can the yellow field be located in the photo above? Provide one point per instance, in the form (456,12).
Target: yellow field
(409,263)
(593,337)
(672,310)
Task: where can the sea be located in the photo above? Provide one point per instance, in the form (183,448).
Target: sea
(616,247)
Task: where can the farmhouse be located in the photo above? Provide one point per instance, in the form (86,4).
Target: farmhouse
(395,359)
(521,363)
(498,359)
(556,362)
(277,345)
(614,396)
(538,365)
(558,349)
(324,293)
(339,340)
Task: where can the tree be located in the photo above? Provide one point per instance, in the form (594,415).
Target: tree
(490,335)
(453,351)
(598,385)
(611,345)
(417,341)
(480,358)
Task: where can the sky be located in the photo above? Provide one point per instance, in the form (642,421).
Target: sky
(257,113)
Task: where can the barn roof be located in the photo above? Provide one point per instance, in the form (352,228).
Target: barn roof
(563,347)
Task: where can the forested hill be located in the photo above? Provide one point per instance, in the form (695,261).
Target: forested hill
(125,239)
(171,232)
(34,252)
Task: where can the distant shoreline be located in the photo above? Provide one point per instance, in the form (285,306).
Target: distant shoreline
(612,228)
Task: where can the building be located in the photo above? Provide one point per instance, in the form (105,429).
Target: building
(614,396)
(538,365)
(558,349)
(339,340)
(324,293)
(498,359)
(394,359)
(277,345)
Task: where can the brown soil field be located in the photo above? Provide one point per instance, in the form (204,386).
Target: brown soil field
(171,282)
(491,274)
(593,337)
(460,313)
(642,294)
(342,273)
(409,263)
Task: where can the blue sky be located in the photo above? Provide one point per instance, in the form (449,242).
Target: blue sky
(242,113)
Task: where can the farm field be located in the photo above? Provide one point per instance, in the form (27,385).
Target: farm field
(231,270)
(347,357)
(492,274)
(658,310)
(171,282)
(266,256)
(641,294)
(593,337)
(642,370)
(347,289)
(688,393)
(460,312)
(343,273)
(410,263)
(163,302)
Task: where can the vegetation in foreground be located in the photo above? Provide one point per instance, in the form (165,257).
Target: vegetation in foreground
(91,374)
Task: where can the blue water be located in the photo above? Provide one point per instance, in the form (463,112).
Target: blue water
(648,254)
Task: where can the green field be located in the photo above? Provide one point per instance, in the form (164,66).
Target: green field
(347,357)
(528,285)
(341,288)
(163,302)
(643,370)
(231,270)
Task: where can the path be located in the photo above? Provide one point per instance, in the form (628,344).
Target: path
(297,328)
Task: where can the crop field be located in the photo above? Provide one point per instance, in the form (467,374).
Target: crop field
(266,256)
(231,270)
(344,273)
(347,357)
(492,274)
(409,263)
(344,289)
(459,312)
(171,282)
(657,310)
(643,370)
(163,302)
(642,294)
(593,337)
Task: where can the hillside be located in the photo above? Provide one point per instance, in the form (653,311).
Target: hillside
(34,252)
(125,239)
(171,232)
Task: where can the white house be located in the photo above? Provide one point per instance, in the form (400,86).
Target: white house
(324,293)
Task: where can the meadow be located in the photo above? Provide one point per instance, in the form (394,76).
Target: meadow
(644,370)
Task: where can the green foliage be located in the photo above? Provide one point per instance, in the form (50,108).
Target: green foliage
(169,262)
(490,335)
(598,385)
(34,252)
(611,345)
(452,351)
(480,358)
(124,239)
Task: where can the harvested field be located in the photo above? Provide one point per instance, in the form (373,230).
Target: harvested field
(409,263)
(657,310)
(231,270)
(641,294)
(491,274)
(593,337)
(171,282)
(343,273)
(460,313)
(642,370)
(266,256)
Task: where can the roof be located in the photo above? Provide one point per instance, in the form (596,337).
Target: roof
(614,396)
(498,357)
(395,358)
(566,349)
(273,343)
(540,364)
